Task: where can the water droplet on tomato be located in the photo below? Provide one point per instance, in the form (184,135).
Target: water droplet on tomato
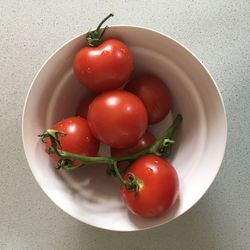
(149,171)
(105,53)
(89,70)
(123,50)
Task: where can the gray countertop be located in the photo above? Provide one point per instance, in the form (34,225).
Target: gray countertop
(216,31)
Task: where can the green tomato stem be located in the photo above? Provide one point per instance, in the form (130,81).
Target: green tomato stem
(167,136)
(118,174)
(94,37)
(161,147)
(103,21)
(132,183)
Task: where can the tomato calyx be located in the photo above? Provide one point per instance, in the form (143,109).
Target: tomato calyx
(132,183)
(166,146)
(66,164)
(162,147)
(51,133)
(94,37)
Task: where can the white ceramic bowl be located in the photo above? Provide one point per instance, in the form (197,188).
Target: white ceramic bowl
(89,194)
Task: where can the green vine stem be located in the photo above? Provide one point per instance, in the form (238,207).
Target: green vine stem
(94,38)
(161,147)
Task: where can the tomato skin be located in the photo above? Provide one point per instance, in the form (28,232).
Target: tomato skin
(83,107)
(117,118)
(78,138)
(105,67)
(159,188)
(154,94)
(144,142)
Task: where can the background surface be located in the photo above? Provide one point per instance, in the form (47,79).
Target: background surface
(216,31)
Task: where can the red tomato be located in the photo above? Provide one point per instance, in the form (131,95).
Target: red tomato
(144,142)
(117,118)
(105,67)
(78,138)
(83,107)
(154,94)
(158,189)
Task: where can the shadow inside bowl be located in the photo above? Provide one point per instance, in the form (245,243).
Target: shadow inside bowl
(91,187)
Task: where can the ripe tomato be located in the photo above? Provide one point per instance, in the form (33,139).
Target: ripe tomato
(144,142)
(78,138)
(117,118)
(83,107)
(158,189)
(154,94)
(105,67)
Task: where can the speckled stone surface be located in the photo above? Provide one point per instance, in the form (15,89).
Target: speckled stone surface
(218,32)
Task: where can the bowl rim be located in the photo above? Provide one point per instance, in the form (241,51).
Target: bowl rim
(224,141)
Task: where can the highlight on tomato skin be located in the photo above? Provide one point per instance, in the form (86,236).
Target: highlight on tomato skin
(155,95)
(158,189)
(117,118)
(78,138)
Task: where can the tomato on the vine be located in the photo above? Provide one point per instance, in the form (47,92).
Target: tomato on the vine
(117,118)
(158,186)
(154,94)
(78,138)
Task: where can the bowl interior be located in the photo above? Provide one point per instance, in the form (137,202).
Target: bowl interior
(89,194)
